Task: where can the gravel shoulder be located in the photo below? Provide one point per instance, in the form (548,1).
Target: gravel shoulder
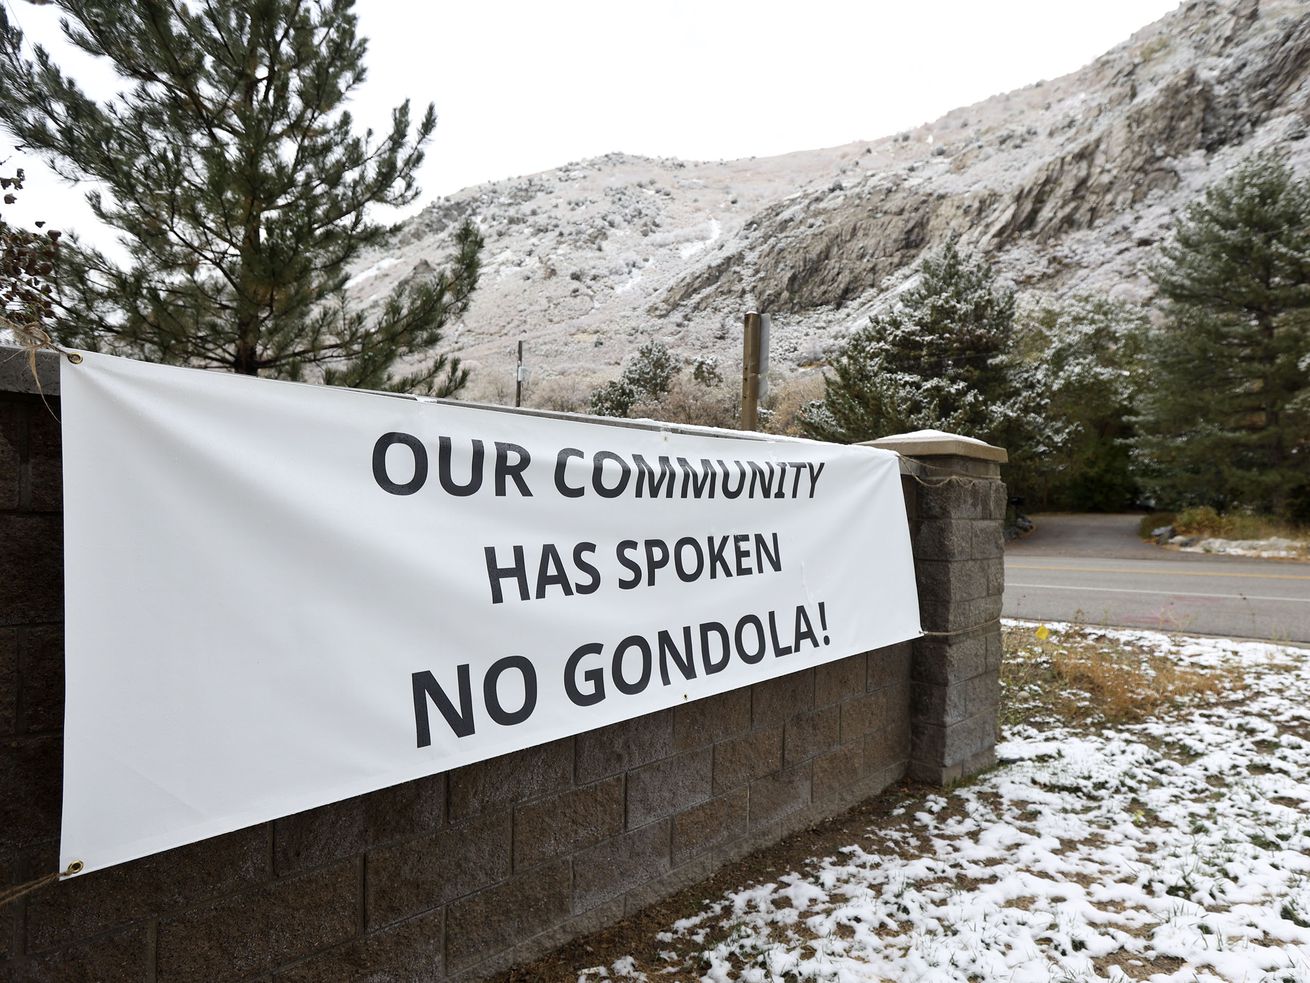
(1109,535)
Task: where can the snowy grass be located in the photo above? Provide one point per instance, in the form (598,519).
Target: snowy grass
(1168,841)
(1274,547)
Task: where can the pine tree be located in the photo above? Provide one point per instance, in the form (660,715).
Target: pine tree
(1087,349)
(942,358)
(240,187)
(1226,405)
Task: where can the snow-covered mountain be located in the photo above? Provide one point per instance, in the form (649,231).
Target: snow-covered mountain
(1068,184)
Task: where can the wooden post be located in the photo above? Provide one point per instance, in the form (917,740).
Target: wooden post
(518,379)
(750,372)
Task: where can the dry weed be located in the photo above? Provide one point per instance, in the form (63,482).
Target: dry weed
(786,399)
(1128,685)
(1078,673)
(561,394)
(690,402)
(1205,521)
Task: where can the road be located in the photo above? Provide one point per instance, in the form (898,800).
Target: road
(1093,568)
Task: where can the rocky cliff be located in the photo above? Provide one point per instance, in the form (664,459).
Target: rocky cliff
(1068,184)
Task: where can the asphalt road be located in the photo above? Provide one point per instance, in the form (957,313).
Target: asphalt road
(1093,568)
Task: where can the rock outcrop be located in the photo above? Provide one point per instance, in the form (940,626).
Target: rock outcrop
(1068,184)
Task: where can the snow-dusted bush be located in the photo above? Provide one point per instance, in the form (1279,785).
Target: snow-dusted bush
(647,377)
(652,386)
(705,371)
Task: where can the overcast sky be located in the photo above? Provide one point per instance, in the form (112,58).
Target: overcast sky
(522,87)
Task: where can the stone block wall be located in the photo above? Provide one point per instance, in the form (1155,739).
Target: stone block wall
(460,875)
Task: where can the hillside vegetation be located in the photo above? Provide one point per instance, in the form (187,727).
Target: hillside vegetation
(1068,185)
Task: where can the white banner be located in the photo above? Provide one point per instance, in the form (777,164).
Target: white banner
(281,595)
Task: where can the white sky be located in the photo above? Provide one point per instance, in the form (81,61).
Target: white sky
(523,87)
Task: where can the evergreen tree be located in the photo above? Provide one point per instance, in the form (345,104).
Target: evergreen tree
(1087,350)
(1226,405)
(240,187)
(942,358)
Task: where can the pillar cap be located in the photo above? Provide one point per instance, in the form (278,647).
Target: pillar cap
(935,443)
(16,371)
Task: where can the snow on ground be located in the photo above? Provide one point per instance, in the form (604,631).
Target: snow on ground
(1275,548)
(1175,849)
(692,248)
(382,264)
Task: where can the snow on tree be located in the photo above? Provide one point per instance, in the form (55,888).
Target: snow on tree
(236,179)
(1086,350)
(944,358)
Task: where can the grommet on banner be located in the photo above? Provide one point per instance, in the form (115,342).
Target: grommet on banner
(75,358)
(76,866)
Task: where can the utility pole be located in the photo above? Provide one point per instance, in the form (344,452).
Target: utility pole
(518,379)
(752,342)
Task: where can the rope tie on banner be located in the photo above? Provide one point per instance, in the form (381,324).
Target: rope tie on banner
(961,631)
(953,479)
(29,344)
(31,340)
(953,474)
(12,894)
(920,462)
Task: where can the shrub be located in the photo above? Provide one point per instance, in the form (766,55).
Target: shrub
(691,403)
(646,378)
(615,398)
(1200,520)
(561,394)
(705,371)
(788,399)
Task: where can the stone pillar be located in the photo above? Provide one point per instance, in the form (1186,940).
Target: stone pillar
(955,501)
